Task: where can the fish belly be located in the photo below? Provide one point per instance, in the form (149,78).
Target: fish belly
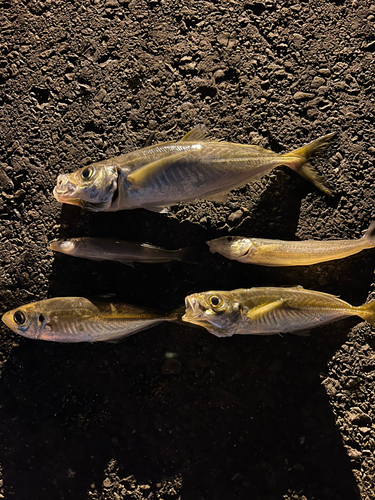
(99,331)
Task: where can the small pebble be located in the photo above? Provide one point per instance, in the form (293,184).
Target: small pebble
(303,96)
(235,215)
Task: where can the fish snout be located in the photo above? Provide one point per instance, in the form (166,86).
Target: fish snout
(190,304)
(63,185)
(209,243)
(6,319)
(64,246)
(65,191)
(194,307)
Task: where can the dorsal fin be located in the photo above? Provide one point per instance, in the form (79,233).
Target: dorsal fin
(197,134)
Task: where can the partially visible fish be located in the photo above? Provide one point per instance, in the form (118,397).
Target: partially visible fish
(277,253)
(76,319)
(126,252)
(159,176)
(267,310)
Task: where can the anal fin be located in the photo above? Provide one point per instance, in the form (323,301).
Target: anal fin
(159,210)
(217,197)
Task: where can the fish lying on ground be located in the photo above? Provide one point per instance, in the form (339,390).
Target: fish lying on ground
(267,310)
(125,252)
(159,176)
(277,253)
(76,319)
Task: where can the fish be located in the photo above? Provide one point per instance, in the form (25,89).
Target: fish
(78,319)
(268,310)
(126,252)
(278,253)
(162,175)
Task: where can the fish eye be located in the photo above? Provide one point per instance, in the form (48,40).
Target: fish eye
(41,318)
(215,301)
(230,238)
(87,173)
(19,318)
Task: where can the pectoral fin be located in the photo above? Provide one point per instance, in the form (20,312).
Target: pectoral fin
(260,311)
(197,134)
(126,262)
(137,178)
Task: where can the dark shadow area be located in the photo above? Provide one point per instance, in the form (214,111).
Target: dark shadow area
(238,418)
(245,417)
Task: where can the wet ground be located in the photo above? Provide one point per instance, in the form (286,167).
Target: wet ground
(269,418)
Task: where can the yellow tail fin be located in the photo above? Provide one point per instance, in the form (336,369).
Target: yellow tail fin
(302,155)
(370,234)
(367,312)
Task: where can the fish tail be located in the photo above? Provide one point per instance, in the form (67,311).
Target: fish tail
(176,315)
(370,235)
(192,254)
(367,312)
(299,158)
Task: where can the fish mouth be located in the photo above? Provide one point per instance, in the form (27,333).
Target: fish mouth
(54,245)
(64,191)
(6,319)
(63,246)
(211,246)
(193,312)
(65,196)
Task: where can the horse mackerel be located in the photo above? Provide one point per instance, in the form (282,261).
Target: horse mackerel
(77,319)
(268,310)
(277,253)
(194,167)
(126,252)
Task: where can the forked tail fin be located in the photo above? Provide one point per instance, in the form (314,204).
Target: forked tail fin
(369,235)
(301,157)
(367,312)
(192,254)
(176,315)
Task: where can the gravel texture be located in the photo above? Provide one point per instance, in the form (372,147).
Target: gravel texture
(173,412)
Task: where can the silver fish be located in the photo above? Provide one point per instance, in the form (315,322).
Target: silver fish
(267,310)
(76,319)
(126,252)
(159,176)
(277,253)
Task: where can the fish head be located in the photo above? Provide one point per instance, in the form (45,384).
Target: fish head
(29,321)
(218,312)
(92,187)
(60,319)
(232,247)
